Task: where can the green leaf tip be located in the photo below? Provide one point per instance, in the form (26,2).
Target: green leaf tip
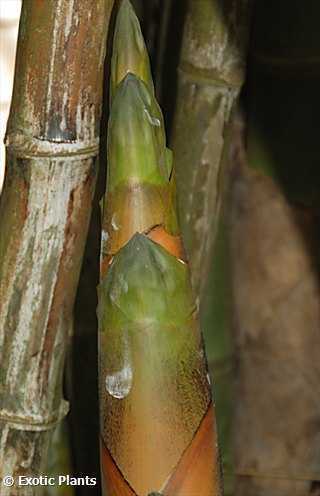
(137,150)
(145,283)
(129,49)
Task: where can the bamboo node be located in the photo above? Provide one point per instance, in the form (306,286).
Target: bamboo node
(31,422)
(208,78)
(28,147)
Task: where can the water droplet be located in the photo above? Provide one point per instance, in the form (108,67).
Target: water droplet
(119,384)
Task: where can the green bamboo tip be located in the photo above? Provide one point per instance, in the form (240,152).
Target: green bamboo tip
(137,150)
(129,49)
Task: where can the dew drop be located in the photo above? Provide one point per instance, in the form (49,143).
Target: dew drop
(119,384)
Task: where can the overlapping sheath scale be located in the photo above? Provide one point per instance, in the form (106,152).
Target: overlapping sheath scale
(140,188)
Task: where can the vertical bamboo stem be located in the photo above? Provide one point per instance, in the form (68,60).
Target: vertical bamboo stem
(211,73)
(52,145)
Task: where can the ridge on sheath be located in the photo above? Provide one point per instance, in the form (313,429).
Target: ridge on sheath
(137,150)
(129,49)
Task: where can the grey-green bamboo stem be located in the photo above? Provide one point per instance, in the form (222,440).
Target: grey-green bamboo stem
(52,145)
(211,73)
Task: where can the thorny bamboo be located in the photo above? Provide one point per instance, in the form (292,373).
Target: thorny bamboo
(52,145)
(157,418)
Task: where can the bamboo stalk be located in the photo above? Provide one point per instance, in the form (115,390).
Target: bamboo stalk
(154,391)
(211,74)
(275,247)
(216,325)
(52,145)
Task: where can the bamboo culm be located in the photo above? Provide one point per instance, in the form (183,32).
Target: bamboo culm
(210,76)
(52,145)
(211,73)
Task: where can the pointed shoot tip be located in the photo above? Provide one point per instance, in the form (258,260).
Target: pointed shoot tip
(129,49)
